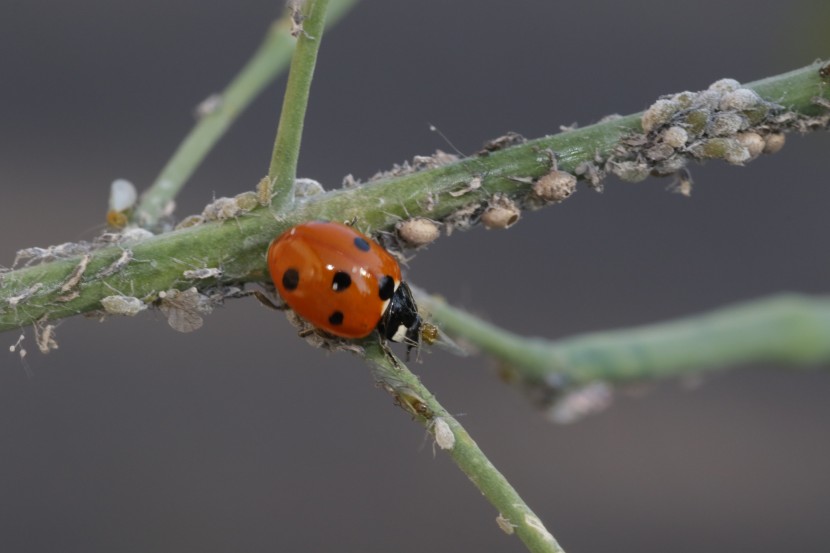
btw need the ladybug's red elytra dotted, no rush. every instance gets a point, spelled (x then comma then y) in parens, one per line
(343, 282)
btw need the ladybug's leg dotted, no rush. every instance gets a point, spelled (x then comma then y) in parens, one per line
(264, 300)
(260, 296)
(384, 345)
(413, 337)
(410, 343)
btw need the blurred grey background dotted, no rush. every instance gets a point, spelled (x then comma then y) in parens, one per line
(239, 437)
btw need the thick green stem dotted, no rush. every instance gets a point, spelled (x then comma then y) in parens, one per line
(514, 514)
(238, 246)
(283, 169)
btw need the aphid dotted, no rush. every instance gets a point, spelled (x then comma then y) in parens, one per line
(221, 209)
(429, 333)
(246, 201)
(343, 282)
(297, 17)
(264, 191)
(444, 436)
(407, 399)
(506, 526)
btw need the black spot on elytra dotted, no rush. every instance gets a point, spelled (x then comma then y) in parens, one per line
(361, 244)
(341, 281)
(336, 318)
(387, 287)
(290, 279)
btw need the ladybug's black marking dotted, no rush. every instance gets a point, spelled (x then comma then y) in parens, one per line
(290, 279)
(341, 281)
(387, 287)
(336, 318)
(361, 244)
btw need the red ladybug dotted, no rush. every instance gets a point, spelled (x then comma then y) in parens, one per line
(343, 283)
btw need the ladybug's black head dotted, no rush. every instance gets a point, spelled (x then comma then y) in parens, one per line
(400, 321)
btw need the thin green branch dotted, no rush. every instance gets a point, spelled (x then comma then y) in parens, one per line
(270, 59)
(283, 169)
(514, 514)
(789, 329)
(444, 194)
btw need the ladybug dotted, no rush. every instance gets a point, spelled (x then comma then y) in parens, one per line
(343, 282)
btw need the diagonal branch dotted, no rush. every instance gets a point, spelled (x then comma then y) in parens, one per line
(514, 515)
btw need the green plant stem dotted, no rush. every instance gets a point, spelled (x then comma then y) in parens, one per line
(398, 380)
(270, 59)
(283, 169)
(788, 328)
(238, 246)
